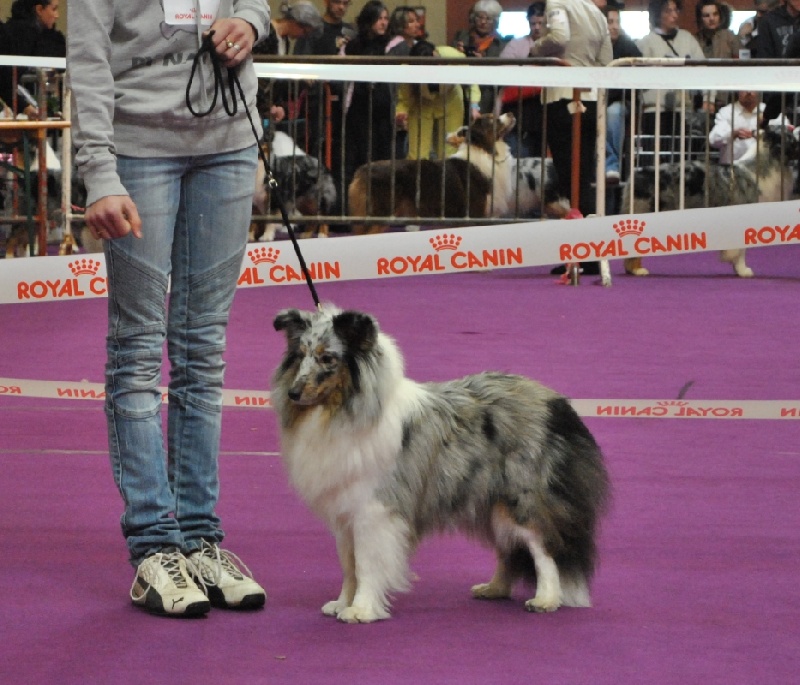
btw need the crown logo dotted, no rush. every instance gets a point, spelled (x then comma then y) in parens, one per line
(672, 403)
(84, 267)
(264, 254)
(629, 227)
(447, 241)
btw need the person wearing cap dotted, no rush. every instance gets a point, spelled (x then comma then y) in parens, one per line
(298, 19)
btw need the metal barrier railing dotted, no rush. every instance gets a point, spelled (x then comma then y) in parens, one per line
(660, 73)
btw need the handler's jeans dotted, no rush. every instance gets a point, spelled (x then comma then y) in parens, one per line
(195, 215)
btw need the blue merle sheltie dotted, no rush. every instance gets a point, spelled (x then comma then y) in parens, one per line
(384, 461)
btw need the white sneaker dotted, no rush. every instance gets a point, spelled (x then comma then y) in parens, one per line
(228, 582)
(163, 586)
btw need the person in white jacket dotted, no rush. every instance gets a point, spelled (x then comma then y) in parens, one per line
(736, 127)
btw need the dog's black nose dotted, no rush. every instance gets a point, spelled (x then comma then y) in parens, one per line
(294, 394)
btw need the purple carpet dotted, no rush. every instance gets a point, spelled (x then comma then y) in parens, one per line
(698, 580)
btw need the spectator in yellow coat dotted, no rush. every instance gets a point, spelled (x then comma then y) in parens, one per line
(429, 111)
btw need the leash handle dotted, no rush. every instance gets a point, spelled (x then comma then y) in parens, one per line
(231, 108)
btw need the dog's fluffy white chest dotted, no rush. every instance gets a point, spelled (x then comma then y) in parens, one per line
(337, 467)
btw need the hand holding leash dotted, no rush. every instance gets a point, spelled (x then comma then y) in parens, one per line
(233, 40)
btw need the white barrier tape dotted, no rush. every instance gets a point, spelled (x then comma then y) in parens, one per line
(35, 62)
(645, 78)
(759, 78)
(83, 390)
(652, 409)
(392, 255)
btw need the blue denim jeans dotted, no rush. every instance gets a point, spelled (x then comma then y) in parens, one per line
(616, 113)
(195, 215)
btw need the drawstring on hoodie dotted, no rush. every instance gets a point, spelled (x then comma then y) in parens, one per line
(231, 109)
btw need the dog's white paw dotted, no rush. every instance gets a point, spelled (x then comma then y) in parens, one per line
(360, 614)
(743, 271)
(543, 605)
(490, 591)
(334, 607)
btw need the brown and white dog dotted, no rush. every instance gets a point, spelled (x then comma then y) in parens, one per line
(765, 175)
(474, 183)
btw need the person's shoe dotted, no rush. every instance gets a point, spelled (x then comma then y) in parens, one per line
(163, 586)
(228, 582)
(612, 177)
(586, 268)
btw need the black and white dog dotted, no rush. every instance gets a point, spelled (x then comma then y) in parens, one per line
(305, 186)
(384, 461)
(763, 175)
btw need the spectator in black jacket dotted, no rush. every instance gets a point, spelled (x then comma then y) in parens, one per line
(617, 111)
(775, 30)
(30, 32)
(369, 107)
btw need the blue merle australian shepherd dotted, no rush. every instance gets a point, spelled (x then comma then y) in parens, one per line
(384, 461)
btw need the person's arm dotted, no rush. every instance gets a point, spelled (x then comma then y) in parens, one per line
(110, 211)
(722, 131)
(92, 84)
(254, 12)
(554, 42)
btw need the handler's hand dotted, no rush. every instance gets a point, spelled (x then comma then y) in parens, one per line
(233, 40)
(112, 217)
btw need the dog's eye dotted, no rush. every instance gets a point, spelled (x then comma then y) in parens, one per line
(326, 358)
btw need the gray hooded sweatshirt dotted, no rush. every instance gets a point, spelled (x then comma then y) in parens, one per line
(128, 69)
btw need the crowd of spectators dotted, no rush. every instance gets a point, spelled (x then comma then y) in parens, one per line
(347, 125)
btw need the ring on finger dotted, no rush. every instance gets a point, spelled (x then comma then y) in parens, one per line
(230, 44)
(236, 47)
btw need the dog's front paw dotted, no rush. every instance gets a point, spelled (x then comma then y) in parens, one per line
(490, 591)
(361, 614)
(334, 607)
(543, 605)
(743, 271)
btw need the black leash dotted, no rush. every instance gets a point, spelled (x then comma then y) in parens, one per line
(231, 108)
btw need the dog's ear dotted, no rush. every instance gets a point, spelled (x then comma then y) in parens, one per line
(293, 322)
(358, 330)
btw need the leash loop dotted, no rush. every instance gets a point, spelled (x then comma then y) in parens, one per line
(231, 108)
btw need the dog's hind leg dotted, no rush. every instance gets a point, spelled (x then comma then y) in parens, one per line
(381, 545)
(345, 549)
(548, 581)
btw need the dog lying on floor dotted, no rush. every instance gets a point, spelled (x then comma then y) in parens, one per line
(411, 188)
(385, 460)
(765, 175)
(481, 178)
(304, 184)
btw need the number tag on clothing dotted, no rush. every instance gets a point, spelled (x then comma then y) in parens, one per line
(557, 18)
(181, 12)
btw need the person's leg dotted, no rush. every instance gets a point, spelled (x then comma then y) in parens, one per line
(559, 141)
(615, 135)
(588, 159)
(138, 275)
(450, 122)
(210, 238)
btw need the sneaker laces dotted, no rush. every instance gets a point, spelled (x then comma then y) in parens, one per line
(226, 562)
(171, 563)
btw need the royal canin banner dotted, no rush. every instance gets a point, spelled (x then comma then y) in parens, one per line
(590, 408)
(397, 254)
